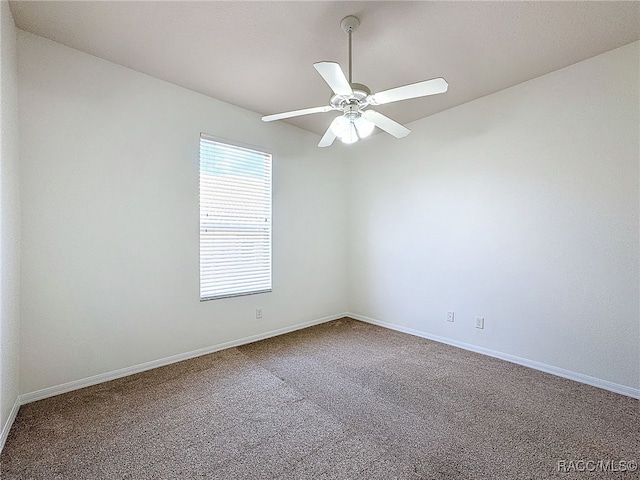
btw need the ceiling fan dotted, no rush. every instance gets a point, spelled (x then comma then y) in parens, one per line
(354, 99)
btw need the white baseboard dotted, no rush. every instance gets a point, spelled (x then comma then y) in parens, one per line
(560, 372)
(9, 423)
(123, 372)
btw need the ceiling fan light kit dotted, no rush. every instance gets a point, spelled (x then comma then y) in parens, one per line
(357, 120)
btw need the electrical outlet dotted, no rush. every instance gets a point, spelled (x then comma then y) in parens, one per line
(258, 313)
(479, 322)
(450, 316)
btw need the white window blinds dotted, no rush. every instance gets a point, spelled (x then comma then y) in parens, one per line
(235, 220)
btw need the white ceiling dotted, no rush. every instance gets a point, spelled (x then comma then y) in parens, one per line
(259, 55)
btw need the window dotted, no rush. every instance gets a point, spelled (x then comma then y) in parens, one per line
(235, 220)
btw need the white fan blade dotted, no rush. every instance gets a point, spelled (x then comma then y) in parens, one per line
(386, 124)
(334, 76)
(414, 90)
(296, 113)
(328, 137)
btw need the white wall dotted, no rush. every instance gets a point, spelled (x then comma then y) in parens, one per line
(521, 207)
(9, 223)
(110, 219)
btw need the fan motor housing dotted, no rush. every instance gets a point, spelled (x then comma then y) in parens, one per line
(360, 90)
(359, 97)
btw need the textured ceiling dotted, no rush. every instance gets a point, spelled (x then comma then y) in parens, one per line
(260, 55)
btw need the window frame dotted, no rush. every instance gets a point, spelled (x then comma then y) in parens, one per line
(226, 143)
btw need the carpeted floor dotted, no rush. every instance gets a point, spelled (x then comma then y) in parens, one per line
(342, 400)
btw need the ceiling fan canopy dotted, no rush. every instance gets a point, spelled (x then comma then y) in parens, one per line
(357, 120)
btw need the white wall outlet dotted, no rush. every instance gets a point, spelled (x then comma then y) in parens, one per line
(479, 322)
(258, 313)
(450, 316)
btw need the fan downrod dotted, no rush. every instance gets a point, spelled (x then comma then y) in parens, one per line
(349, 25)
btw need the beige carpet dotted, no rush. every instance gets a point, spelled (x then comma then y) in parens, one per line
(342, 400)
